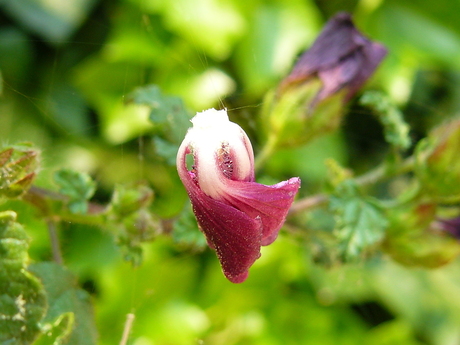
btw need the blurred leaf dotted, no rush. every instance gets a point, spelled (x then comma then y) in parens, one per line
(277, 32)
(131, 221)
(395, 332)
(22, 297)
(166, 111)
(437, 162)
(360, 222)
(18, 164)
(169, 116)
(64, 296)
(55, 21)
(79, 187)
(166, 150)
(127, 200)
(68, 108)
(185, 230)
(414, 240)
(396, 130)
(105, 84)
(400, 24)
(58, 332)
(16, 54)
(141, 226)
(213, 26)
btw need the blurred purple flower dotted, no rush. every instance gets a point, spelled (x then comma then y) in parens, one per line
(451, 225)
(341, 57)
(236, 214)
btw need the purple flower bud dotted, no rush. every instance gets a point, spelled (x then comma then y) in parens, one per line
(236, 214)
(341, 57)
(451, 225)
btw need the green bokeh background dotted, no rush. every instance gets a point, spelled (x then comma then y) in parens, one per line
(68, 68)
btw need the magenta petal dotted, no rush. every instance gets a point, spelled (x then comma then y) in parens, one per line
(270, 203)
(235, 236)
(236, 215)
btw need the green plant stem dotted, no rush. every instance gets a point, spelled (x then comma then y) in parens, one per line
(42, 199)
(266, 152)
(375, 175)
(127, 329)
(54, 239)
(308, 203)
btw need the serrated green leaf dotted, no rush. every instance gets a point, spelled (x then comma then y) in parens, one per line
(396, 130)
(22, 297)
(5, 156)
(65, 296)
(58, 332)
(165, 110)
(17, 169)
(360, 222)
(168, 114)
(79, 187)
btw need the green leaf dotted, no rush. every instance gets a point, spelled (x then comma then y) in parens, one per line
(49, 19)
(396, 130)
(437, 165)
(133, 230)
(58, 332)
(65, 296)
(360, 222)
(18, 165)
(167, 111)
(16, 48)
(127, 200)
(22, 298)
(169, 116)
(79, 187)
(129, 217)
(166, 150)
(185, 230)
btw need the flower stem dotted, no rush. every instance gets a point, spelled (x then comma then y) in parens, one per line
(373, 176)
(267, 150)
(54, 239)
(127, 329)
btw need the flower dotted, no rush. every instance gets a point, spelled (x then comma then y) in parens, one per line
(236, 214)
(309, 102)
(341, 57)
(451, 225)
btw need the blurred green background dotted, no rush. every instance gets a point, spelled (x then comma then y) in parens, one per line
(68, 69)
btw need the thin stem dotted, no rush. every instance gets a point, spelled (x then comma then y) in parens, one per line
(382, 172)
(127, 329)
(370, 177)
(54, 239)
(266, 152)
(308, 203)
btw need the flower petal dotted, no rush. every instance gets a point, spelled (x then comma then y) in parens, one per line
(234, 235)
(341, 56)
(270, 203)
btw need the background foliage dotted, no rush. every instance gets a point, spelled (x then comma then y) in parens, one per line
(78, 81)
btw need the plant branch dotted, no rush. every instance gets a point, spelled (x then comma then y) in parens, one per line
(54, 239)
(127, 329)
(373, 176)
(267, 150)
